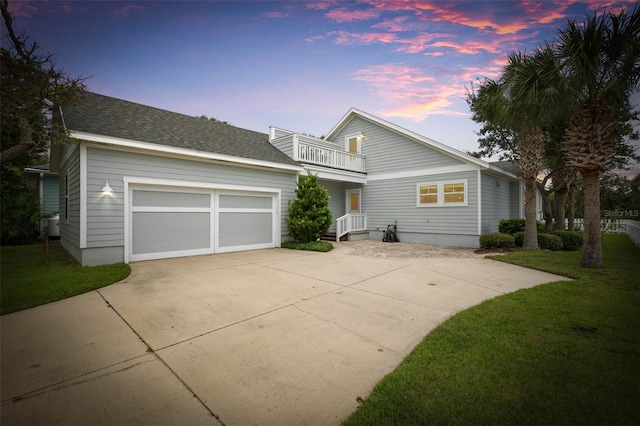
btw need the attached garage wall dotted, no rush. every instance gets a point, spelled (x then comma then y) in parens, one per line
(105, 223)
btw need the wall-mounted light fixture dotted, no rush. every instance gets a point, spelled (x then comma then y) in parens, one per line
(106, 189)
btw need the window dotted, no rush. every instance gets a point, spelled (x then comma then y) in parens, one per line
(428, 194)
(454, 192)
(442, 194)
(353, 144)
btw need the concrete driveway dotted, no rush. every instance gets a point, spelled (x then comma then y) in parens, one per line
(268, 337)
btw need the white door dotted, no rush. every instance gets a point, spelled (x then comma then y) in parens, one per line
(353, 201)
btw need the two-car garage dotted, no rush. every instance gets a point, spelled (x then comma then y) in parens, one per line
(164, 221)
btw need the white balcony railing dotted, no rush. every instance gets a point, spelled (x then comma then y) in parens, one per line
(350, 222)
(316, 151)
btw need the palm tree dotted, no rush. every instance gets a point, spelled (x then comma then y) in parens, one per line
(521, 101)
(600, 60)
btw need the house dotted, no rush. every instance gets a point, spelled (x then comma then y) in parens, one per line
(140, 183)
(46, 183)
(380, 174)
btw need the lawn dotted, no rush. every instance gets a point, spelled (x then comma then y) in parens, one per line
(558, 353)
(27, 280)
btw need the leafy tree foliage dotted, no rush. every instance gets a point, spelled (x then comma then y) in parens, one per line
(309, 214)
(31, 88)
(584, 83)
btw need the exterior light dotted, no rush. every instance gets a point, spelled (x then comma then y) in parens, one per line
(106, 189)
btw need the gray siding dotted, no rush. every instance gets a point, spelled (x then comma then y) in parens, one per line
(284, 144)
(336, 202)
(495, 202)
(50, 194)
(516, 194)
(105, 215)
(394, 201)
(70, 221)
(387, 151)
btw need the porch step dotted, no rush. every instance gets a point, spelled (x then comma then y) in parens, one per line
(331, 236)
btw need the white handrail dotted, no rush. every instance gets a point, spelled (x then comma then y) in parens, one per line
(350, 222)
(325, 155)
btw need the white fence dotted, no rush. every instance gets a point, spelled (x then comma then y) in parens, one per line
(621, 226)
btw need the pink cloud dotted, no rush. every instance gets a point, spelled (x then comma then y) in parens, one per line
(347, 38)
(395, 25)
(420, 42)
(23, 8)
(467, 47)
(345, 15)
(413, 92)
(321, 5)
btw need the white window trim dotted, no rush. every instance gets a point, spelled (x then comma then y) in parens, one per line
(358, 138)
(440, 186)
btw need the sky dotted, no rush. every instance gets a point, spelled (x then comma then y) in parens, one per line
(299, 65)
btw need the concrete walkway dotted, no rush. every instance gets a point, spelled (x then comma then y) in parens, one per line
(268, 337)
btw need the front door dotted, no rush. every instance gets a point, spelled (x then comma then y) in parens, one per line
(353, 201)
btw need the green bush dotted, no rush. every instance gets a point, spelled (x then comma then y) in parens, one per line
(496, 240)
(549, 242)
(519, 238)
(515, 225)
(571, 240)
(321, 246)
(20, 213)
(309, 214)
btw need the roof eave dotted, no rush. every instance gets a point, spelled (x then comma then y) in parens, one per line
(128, 143)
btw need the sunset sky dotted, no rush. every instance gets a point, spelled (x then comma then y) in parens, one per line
(299, 65)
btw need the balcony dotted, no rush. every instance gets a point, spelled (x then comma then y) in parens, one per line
(310, 150)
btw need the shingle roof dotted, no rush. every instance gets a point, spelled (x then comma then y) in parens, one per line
(106, 116)
(510, 166)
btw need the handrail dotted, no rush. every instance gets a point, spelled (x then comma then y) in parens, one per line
(316, 153)
(350, 222)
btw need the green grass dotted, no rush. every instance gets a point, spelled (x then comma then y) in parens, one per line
(559, 353)
(322, 246)
(27, 281)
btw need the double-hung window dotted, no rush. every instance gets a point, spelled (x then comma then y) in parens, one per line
(439, 194)
(353, 144)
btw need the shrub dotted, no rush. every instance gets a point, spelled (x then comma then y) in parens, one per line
(549, 242)
(309, 214)
(514, 225)
(496, 240)
(519, 238)
(20, 213)
(321, 246)
(571, 240)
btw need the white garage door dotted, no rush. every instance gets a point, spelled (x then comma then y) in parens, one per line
(174, 222)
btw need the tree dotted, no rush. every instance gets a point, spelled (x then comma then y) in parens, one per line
(515, 109)
(309, 214)
(31, 85)
(600, 62)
